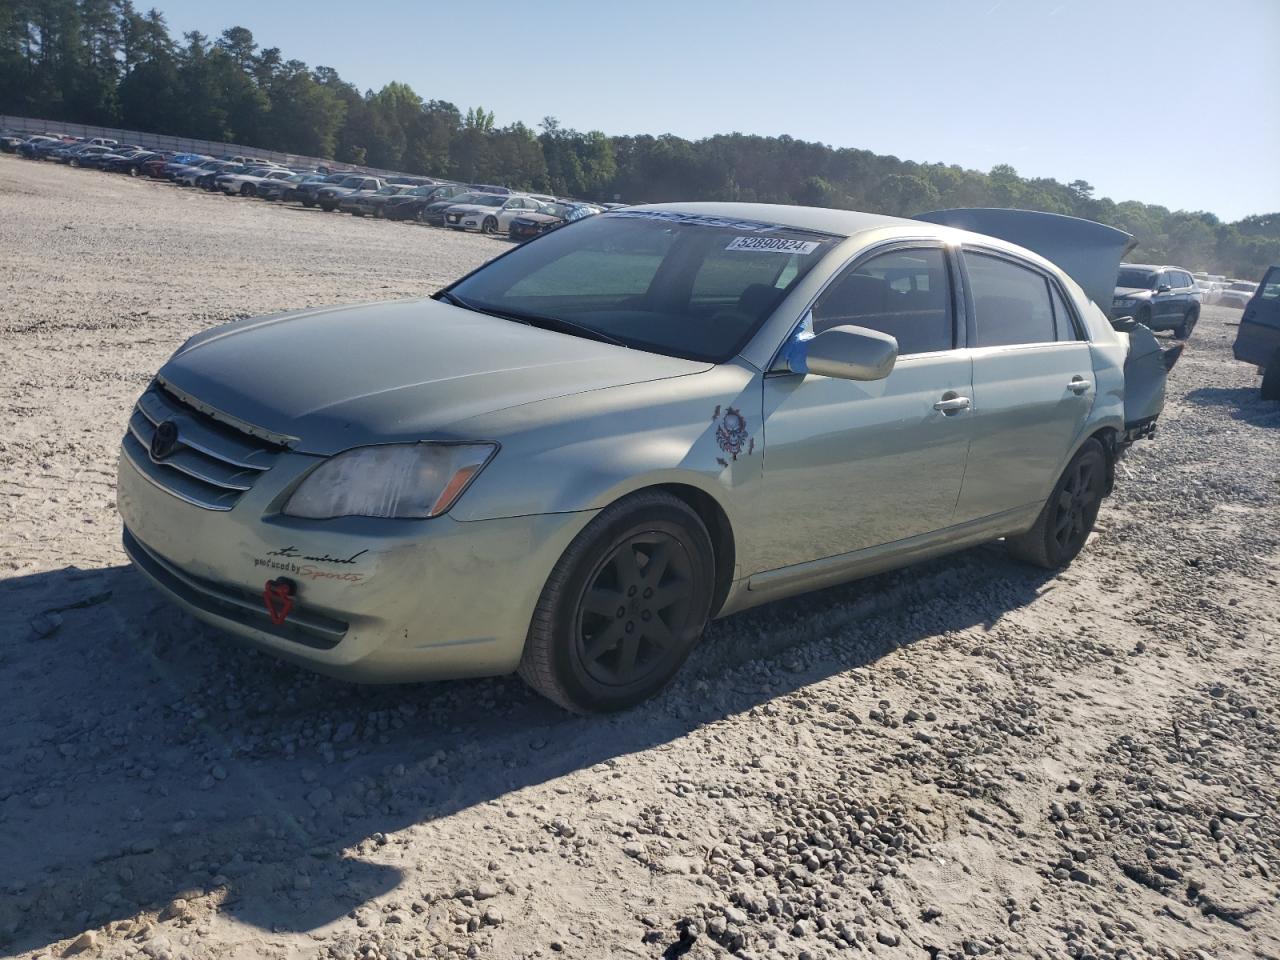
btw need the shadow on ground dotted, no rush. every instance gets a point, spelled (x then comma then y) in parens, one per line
(1242, 403)
(143, 757)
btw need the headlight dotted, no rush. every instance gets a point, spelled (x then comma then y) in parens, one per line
(404, 481)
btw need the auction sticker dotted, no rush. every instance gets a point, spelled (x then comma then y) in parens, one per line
(773, 245)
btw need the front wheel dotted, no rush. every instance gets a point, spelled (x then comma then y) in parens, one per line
(623, 606)
(490, 225)
(1068, 516)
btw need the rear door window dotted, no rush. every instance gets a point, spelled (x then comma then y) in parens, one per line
(1011, 304)
(1269, 289)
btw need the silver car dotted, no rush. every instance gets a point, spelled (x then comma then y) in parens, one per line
(569, 460)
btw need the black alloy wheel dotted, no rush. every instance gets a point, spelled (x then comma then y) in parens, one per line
(1067, 518)
(623, 607)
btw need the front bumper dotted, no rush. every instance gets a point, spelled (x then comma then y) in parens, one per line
(377, 600)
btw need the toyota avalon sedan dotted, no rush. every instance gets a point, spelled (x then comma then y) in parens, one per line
(565, 463)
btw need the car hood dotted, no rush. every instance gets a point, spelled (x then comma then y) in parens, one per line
(540, 217)
(340, 377)
(1133, 293)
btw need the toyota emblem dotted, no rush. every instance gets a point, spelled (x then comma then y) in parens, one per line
(165, 440)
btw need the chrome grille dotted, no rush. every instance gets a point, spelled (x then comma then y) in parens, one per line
(211, 465)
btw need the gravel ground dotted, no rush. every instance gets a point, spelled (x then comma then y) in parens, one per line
(966, 758)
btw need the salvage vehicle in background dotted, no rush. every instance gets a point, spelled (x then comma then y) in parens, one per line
(569, 460)
(1258, 336)
(532, 224)
(1237, 294)
(1161, 298)
(328, 197)
(409, 205)
(282, 188)
(246, 184)
(489, 212)
(305, 193)
(363, 202)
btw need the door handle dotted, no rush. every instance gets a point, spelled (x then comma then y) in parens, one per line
(1079, 385)
(951, 404)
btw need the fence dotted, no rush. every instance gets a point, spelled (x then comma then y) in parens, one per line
(159, 141)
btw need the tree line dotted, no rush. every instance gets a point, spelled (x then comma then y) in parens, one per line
(104, 62)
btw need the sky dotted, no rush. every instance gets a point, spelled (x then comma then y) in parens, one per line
(1175, 102)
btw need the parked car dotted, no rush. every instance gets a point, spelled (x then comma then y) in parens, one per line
(1210, 290)
(96, 161)
(327, 197)
(10, 140)
(488, 212)
(246, 184)
(203, 174)
(363, 202)
(1237, 294)
(532, 224)
(133, 165)
(305, 193)
(164, 170)
(1258, 336)
(646, 419)
(281, 188)
(1161, 298)
(79, 155)
(34, 148)
(410, 205)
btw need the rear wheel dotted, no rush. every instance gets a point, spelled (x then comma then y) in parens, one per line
(623, 606)
(1183, 330)
(1271, 379)
(1068, 516)
(247, 190)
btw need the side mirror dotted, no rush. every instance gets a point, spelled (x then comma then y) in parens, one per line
(847, 353)
(1163, 288)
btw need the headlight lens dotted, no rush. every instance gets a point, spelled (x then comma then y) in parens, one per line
(404, 481)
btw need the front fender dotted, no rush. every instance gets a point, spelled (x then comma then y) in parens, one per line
(585, 451)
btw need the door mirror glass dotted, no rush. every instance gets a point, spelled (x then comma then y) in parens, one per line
(847, 353)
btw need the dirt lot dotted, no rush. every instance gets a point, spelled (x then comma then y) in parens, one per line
(966, 758)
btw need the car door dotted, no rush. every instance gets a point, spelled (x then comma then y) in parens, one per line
(1033, 383)
(851, 465)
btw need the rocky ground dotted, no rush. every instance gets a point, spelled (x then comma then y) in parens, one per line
(966, 758)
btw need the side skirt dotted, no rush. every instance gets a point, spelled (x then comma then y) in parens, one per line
(815, 574)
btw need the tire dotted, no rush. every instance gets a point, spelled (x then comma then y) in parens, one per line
(247, 190)
(1144, 316)
(308, 204)
(377, 213)
(1067, 518)
(134, 172)
(490, 225)
(652, 632)
(73, 162)
(1271, 379)
(1183, 330)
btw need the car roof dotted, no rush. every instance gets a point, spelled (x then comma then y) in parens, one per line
(821, 219)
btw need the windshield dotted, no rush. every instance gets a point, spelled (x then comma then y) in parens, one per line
(484, 200)
(1141, 279)
(389, 191)
(682, 285)
(1247, 287)
(352, 182)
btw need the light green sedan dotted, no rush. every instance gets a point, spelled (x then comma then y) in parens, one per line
(570, 460)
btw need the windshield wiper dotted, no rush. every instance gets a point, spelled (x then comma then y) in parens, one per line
(558, 324)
